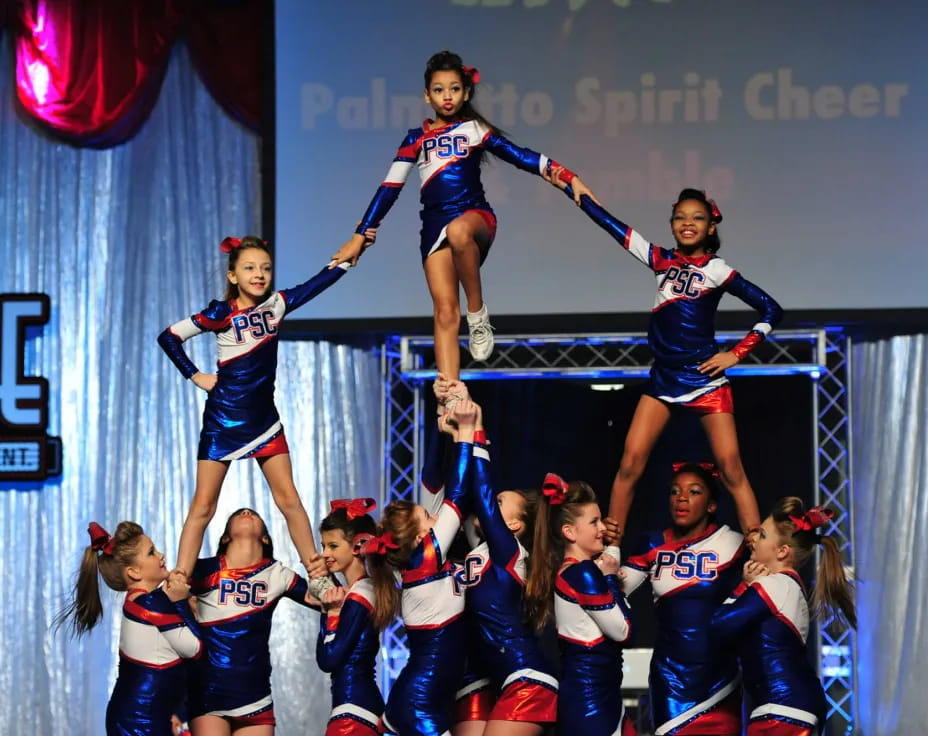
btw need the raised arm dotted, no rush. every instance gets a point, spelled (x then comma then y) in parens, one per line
(535, 163)
(623, 234)
(454, 506)
(384, 198)
(504, 548)
(297, 296)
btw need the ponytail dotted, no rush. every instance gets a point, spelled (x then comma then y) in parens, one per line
(560, 504)
(799, 528)
(390, 550)
(832, 590)
(107, 557)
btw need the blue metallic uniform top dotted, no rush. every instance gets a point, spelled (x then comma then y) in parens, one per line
(235, 607)
(448, 158)
(681, 333)
(240, 417)
(347, 648)
(690, 579)
(592, 618)
(493, 577)
(155, 636)
(421, 699)
(769, 623)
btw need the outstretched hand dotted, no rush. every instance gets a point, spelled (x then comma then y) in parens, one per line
(552, 175)
(613, 534)
(581, 190)
(351, 251)
(577, 185)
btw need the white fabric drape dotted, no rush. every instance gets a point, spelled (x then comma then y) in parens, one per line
(125, 242)
(890, 496)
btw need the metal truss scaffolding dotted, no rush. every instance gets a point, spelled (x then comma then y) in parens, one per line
(821, 354)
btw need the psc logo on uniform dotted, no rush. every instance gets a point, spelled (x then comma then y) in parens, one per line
(26, 451)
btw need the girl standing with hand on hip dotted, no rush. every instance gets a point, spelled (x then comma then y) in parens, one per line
(688, 369)
(240, 419)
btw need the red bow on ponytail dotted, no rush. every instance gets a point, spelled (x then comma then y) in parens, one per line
(359, 543)
(355, 508)
(100, 539)
(554, 489)
(380, 545)
(814, 518)
(708, 467)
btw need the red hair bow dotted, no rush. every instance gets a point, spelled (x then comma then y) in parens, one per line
(554, 488)
(360, 542)
(354, 509)
(380, 545)
(100, 539)
(715, 214)
(473, 73)
(229, 244)
(708, 467)
(816, 517)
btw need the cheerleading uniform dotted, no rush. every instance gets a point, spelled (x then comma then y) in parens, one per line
(769, 622)
(240, 419)
(347, 648)
(448, 158)
(235, 607)
(493, 578)
(155, 637)
(592, 620)
(694, 685)
(682, 328)
(421, 699)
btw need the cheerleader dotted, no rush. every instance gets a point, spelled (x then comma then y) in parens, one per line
(573, 582)
(693, 566)
(157, 634)
(240, 419)
(414, 543)
(688, 369)
(348, 640)
(768, 619)
(237, 592)
(448, 152)
(524, 688)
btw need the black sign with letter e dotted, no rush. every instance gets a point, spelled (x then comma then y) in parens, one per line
(26, 451)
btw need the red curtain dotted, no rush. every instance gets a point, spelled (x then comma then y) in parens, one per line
(89, 71)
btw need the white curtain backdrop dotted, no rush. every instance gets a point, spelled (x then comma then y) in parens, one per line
(125, 242)
(890, 492)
